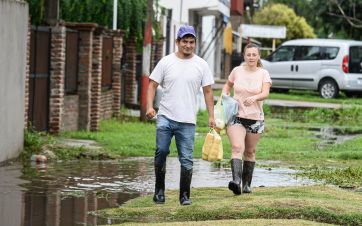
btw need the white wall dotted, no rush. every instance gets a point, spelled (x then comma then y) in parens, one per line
(11, 197)
(13, 39)
(207, 15)
(176, 5)
(208, 23)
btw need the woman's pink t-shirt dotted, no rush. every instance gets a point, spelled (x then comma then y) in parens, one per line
(246, 84)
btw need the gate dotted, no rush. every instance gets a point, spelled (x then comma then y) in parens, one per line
(107, 62)
(39, 78)
(71, 62)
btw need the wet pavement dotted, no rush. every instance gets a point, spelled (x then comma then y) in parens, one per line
(63, 193)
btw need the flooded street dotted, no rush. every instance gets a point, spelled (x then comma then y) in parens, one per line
(63, 193)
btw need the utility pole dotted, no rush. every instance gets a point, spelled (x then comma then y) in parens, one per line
(115, 13)
(51, 12)
(146, 58)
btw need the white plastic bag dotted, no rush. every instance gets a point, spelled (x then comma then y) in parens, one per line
(231, 108)
(219, 114)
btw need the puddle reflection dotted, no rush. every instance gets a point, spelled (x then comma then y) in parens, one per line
(63, 193)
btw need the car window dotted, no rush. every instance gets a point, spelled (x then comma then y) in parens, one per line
(308, 53)
(329, 53)
(355, 59)
(284, 53)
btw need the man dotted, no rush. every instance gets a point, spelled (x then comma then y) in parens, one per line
(181, 74)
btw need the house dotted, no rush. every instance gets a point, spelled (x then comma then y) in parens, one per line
(13, 20)
(208, 17)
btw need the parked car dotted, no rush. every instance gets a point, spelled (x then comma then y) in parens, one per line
(324, 65)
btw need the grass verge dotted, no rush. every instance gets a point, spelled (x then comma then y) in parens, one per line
(324, 204)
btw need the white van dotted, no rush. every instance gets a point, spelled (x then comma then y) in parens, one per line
(325, 65)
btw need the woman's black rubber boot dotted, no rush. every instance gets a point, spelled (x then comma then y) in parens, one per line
(236, 168)
(247, 176)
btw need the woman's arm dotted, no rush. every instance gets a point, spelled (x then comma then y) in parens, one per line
(261, 96)
(227, 87)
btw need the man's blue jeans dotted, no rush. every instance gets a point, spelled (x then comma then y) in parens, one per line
(184, 136)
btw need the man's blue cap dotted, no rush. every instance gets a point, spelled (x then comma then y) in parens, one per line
(186, 30)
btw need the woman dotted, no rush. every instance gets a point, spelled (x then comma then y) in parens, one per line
(251, 85)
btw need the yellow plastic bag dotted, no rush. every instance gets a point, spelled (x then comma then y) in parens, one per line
(212, 149)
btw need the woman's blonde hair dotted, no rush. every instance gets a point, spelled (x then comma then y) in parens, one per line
(252, 45)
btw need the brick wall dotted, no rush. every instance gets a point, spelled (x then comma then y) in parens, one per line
(85, 109)
(85, 72)
(116, 80)
(57, 70)
(70, 113)
(106, 104)
(27, 74)
(157, 51)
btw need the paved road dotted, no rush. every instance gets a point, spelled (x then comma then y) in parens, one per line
(289, 103)
(303, 104)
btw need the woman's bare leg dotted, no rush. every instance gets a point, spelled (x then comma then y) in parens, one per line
(236, 134)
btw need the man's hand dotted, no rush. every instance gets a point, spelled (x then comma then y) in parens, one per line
(151, 113)
(211, 122)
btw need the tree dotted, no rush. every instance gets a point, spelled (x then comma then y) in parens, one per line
(282, 15)
(131, 13)
(330, 18)
(352, 18)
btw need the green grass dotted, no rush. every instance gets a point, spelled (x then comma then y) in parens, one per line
(332, 175)
(324, 204)
(254, 222)
(124, 138)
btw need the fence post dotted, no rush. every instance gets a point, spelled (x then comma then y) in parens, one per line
(146, 61)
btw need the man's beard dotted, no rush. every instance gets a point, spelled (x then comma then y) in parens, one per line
(187, 53)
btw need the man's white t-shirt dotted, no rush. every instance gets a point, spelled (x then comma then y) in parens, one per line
(181, 80)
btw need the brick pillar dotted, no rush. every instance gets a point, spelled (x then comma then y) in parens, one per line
(84, 72)
(92, 199)
(116, 64)
(130, 72)
(57, 71)
(157, 52)
(27, 75)
(96, 89)
(53, 208)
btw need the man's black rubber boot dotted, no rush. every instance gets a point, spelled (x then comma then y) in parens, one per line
(247, 176)
(236, 168)
(159, 196)
(185, 182)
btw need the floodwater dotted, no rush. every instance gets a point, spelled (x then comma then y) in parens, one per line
(64, 193)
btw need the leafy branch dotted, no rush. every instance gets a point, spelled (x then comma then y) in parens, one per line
(352, 20)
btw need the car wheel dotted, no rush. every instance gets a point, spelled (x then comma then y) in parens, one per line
(328, 89)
